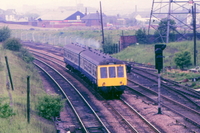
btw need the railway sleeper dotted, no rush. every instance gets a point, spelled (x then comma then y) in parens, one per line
(112, 92)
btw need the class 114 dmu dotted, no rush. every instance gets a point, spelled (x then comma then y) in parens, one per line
(106, 74)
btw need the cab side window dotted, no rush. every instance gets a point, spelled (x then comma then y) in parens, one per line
(103, 71)
(120, 71)
(112, 73)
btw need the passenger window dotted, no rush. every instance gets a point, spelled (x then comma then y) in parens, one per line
(103, 71)
(112, 73)
(120, 71)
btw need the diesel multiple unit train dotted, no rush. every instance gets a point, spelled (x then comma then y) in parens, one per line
(106, 73)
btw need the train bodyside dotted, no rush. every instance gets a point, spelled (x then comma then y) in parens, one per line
(107, 73)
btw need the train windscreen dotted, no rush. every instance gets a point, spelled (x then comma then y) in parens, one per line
(103, 72)
(112, 73)
(120, 71)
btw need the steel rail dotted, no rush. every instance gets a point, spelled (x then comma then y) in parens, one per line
(79, 95)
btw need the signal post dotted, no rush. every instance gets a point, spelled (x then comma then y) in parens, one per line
(159, 65)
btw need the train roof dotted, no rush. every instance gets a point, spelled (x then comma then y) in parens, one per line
(95, 56)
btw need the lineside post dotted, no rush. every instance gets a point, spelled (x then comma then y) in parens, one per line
(159, 65)
(9, 73)
(28, 99)
(159, 105)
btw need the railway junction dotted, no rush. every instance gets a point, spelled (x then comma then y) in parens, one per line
(135, 111)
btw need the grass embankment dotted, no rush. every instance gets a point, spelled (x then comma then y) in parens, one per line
(17, 98)
(145, 54)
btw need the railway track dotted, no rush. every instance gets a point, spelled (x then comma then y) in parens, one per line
(189, 114)
(138, 92)
(146, 126)
(173, 84)
(136, 122)
(183, 95)
(83, 110)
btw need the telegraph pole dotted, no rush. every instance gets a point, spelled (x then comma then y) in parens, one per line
(194, 31)
(101, 24)
(168, 22)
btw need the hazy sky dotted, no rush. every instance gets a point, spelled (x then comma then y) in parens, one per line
(117, 5)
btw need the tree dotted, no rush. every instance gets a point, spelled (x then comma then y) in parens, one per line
(12, 44)
(5, 33)
(182, 59)
(49, 106)
(161, 32)
(141, 36)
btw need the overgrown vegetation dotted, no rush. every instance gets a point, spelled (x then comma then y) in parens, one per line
(146, 54)
(5, 109)
(12, 44)
(180, 51)
(15, 45)
(109, 47)
(141, 36)
(180, 76)
(18, 123)
(183, 59)
(161, 32)
(49, 106)
(16, 110)
(5, 33)
(25, 55)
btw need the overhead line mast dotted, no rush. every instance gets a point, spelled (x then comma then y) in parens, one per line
(183, 12)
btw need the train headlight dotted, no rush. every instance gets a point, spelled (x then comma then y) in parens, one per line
(103, 84)
(121, 82)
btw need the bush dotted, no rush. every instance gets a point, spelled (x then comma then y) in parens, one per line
(49, 106)
(6, 111)
(12, 44)
(5, 33)
(25, 55)
(182, 59)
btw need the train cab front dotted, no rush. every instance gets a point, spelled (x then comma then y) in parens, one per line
(112, 79)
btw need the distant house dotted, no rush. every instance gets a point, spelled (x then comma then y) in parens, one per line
(2, 16)
(60, 19)
(143, 18)
(93, 19)
(75, 17)
(10, 15)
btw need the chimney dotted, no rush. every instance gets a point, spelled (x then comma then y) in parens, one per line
(86, 11)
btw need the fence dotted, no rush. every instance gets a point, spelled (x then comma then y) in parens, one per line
(54, 38)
